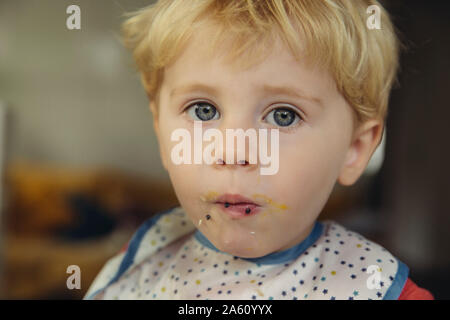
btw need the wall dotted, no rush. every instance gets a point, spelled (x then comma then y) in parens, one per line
(74, 98)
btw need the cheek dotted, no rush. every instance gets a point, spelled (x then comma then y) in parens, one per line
(183, 175)
(184, 179)
(308, 170)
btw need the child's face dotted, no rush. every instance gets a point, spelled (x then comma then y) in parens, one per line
(312, 152)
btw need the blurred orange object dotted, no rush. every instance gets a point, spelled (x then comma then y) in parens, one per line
(37, 196)
(35, 258)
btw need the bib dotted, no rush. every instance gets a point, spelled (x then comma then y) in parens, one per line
(167, 258)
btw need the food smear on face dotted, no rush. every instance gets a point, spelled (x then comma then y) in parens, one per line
(275, 205)
(211, 195)
(248, 210)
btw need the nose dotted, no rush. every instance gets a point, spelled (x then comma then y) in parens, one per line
(238, 155)
(240, 139)
(222, 162)
(242, 164)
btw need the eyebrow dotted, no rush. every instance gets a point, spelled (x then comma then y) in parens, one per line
(268, 89)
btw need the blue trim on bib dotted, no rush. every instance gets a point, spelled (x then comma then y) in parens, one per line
(399, 282)
(275, 257)
(132, 249)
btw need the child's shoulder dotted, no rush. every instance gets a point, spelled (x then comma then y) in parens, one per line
(359, 262)
(159, 231)
(151, 237)
(351, 243)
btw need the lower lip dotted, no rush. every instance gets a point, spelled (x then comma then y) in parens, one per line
(239, 210)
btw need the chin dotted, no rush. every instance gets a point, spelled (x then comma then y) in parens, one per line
(240, 250)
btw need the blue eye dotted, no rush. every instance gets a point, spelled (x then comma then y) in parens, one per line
(283, 117)
(202, 111)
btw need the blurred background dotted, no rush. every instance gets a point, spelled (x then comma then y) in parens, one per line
(80, 167)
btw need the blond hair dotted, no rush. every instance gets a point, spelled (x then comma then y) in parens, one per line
(333, 33)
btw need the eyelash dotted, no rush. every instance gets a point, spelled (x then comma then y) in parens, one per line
(287, 129)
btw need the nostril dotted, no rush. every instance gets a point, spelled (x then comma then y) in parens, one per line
(243, 162)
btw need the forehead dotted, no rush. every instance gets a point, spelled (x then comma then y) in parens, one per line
(274, 66)
(201, 55)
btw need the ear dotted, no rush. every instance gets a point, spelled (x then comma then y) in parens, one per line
(365, 140)
(155, 113)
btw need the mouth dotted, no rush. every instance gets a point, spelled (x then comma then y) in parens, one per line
(237, 206)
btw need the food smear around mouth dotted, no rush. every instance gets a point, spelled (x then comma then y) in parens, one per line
(209, 196)
(247, 209)
(270, 202)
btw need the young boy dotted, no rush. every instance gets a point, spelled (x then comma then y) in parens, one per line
(311, 70)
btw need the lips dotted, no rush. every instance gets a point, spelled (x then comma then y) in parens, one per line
(235, 199)
(237, 206)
